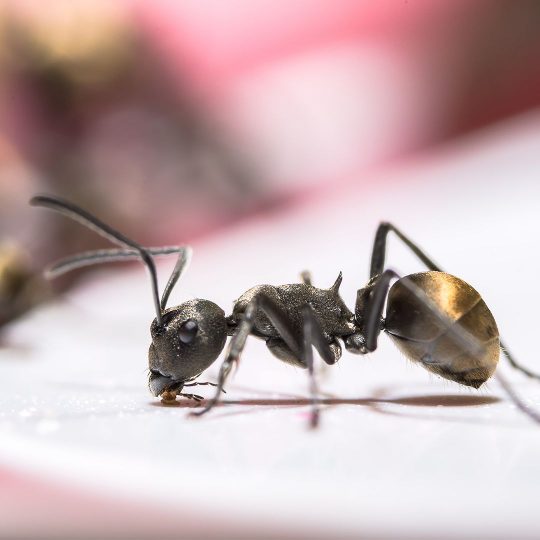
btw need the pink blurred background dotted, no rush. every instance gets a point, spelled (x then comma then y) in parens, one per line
(172, 120)
(203, 111)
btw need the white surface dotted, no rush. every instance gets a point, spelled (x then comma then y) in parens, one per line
(400, 453)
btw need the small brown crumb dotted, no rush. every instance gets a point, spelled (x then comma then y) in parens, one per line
(168, 397)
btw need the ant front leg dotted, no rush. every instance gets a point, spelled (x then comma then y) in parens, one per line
(297, 342)
(234, 351)
(378, 256)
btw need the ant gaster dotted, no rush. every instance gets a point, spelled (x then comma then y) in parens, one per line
(435, 319)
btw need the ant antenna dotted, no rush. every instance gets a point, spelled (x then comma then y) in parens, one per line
(100, 256)
(134, 250)
(181, 264)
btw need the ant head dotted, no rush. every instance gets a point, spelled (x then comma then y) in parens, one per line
(188, 340)
(185, 339)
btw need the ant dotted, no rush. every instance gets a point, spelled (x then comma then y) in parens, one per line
(434, 318)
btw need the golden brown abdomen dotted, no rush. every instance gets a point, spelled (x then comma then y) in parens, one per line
(425, 338)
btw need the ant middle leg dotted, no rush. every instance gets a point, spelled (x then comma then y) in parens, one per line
(378, 256)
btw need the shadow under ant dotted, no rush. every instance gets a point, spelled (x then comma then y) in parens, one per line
(254, 405)
(439, 400)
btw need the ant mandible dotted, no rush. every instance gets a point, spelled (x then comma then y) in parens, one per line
(434, 318)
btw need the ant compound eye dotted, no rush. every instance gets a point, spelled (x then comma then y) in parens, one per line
(188, 331)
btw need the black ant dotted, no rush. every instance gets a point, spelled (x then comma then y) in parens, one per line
(434, 318)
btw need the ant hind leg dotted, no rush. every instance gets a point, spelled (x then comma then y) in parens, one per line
(510, 357)
(378, 256)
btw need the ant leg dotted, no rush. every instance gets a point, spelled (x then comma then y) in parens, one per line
(374, 308)
(279, 318)
(305, 276)
(510, 357)
(195, 397)
(377, 266)
(204, 384)
(378, 253)
(234, 351)
(314, 337)
(298, 341)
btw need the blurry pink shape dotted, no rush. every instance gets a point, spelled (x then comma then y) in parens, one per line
(214, 41)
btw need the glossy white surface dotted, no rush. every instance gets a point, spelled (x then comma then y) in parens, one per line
(399, 451)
